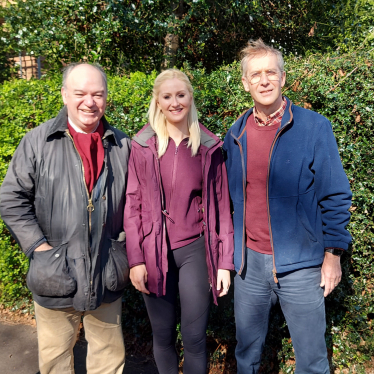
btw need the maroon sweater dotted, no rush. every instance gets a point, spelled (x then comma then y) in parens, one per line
(182, 180)
(259, 139)
(91, 151)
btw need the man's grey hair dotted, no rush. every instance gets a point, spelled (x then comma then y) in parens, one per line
(69, 68)
(257, 48)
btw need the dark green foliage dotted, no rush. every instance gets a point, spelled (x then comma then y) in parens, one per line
(338, 86)
(129, 35)
(5, 63)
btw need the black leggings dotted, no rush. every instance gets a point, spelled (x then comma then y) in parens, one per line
(188, 273)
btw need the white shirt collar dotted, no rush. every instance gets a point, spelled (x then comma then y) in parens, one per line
(78, 129)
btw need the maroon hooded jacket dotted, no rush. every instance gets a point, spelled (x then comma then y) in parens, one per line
(144, 222)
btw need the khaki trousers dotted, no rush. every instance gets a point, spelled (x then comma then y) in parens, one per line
(57, 332)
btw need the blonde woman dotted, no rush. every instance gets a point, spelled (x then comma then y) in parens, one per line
(178, 223)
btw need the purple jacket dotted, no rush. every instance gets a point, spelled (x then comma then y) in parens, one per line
(144, 221)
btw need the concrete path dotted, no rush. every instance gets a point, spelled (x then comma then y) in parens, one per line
(19, 353)
(18, 349)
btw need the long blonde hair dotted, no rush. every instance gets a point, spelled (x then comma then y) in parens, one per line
(157, 119)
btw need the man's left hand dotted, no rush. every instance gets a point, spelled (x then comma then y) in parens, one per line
(331, 273)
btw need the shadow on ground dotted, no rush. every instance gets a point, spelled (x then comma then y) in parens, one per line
(134, 365)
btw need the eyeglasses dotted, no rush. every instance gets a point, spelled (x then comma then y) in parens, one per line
(272, 75)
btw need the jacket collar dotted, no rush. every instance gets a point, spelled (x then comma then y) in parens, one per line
(207, 138)
(60, 124)
(143, 136)
(288, 113)
(242, 120)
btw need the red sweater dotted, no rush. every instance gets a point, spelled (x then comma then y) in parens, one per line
(259, 140)
(91, 151)
(182, 180)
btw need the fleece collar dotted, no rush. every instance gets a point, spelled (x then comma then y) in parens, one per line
(242, 120)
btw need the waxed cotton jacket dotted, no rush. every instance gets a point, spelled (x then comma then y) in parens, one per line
(144, 221)
(308, 193)
(44, 198)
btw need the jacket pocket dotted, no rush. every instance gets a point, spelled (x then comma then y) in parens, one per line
(48, 273)
(303, 218)
(117, 268)
(147, 227)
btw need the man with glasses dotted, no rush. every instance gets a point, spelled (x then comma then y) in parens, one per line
(291, 199)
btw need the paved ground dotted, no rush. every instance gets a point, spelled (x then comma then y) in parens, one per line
(19, 353)
(18, 349)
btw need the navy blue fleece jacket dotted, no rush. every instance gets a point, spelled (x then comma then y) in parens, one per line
(308, 193)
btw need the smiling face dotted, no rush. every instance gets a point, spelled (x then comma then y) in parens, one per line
(267, 94)
(174, 100)
(85, 96)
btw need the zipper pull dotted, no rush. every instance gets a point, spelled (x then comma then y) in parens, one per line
(275, 276)
(90, 206)
(90, 209)
(166, 214)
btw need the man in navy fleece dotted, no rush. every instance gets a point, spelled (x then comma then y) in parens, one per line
(291, 199)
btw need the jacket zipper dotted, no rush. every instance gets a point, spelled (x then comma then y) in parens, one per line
(164, 212)
(244, 199)
(90, 209)
(173, 178)
(274, 271)
(205, 221)
(90, 206)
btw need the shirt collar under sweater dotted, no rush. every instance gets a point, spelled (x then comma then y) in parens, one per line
(274, 118)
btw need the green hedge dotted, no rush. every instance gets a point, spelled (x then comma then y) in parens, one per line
(337, 86)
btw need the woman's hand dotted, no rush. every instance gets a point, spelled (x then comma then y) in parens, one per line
(138, 277)
(223, 281)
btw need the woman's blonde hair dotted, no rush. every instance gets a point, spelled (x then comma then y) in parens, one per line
(158, 121)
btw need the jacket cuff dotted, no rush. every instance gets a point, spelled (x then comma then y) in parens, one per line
(139, 263)
(336, 244)
(135, 260)
(224, 265)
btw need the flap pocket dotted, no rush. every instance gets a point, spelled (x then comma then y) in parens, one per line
(117, 268)
(48, 273)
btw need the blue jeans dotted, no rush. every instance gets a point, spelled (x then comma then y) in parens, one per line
(303, 305)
